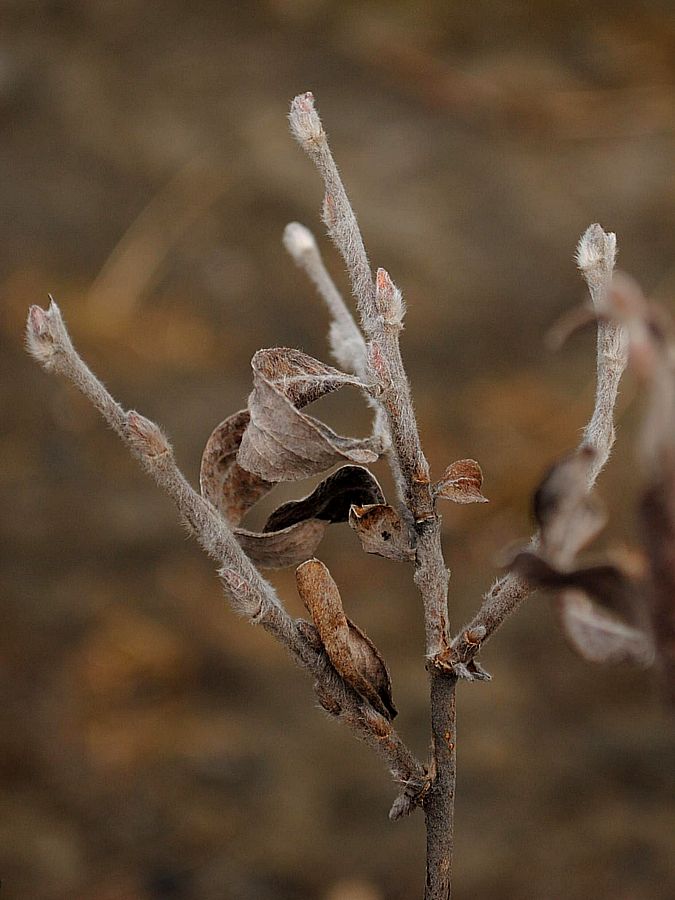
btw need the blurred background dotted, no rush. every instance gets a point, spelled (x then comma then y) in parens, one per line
(152, 745)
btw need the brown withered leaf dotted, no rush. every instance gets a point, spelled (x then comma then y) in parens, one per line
(608, 584)
(597, 634)
(567, 516)
(284, 547)
(461, 483)
(600, 637)
(283, 444)
(382, 531)
(351, 652)
(330, 501)
(231, 489)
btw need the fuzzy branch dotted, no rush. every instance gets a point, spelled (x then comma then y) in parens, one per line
(596, 254)
(381, 307)
(249, 593)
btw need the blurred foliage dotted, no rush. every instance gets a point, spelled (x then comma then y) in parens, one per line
(153, 746)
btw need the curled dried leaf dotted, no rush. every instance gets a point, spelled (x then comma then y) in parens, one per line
(285, 547)
(596, 634)
(283, 444)
(382, 531)
(567, 516)
(600, 637)
(461, 483)
(223, 482)
(351, 652)
(608, 584)
(331, 500)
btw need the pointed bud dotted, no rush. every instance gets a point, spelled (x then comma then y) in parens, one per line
(389, 300)
(305, 122)
(46, 334)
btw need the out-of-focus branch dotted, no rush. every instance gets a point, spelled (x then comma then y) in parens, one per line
(249, 593)
(596, 254)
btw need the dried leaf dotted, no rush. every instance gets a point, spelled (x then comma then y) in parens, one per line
(285, 547)
(608, 584)
(223, 482)
(283, 444)
(461, 483)
(382, 531)
(567, 516)
(330, 501)
(600, 637)
(352, 654)
(595, 633)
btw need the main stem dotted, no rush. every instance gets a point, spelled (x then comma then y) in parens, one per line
(431, 577)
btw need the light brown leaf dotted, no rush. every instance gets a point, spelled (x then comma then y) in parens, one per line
(600, 637)
(382, 531)
(567, 516)
(331, 500)
(351, 652)
(461, 483)
(283, 444)
(231, 489)
(285, 547)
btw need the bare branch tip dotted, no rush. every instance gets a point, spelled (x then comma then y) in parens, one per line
(298, 241)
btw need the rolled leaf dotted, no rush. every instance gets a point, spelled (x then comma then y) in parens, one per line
(352, 653)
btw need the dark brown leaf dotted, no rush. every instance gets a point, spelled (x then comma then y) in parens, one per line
(283, 444)
(285, 547)
(231, 489)
(330, 501)
(461, 483)
(382, 531)
(352, 654)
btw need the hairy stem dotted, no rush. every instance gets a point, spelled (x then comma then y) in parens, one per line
(381, 309)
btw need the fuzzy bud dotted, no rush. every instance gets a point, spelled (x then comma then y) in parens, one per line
(389, 300)
(595, 256)
(46, 335)
(305, 123)
(146, 438)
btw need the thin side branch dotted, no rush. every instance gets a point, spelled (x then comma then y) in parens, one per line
(596, 254)
(249, 593)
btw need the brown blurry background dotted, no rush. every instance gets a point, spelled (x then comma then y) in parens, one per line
(154, 746)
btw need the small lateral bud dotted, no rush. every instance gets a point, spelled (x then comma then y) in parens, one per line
(146, 438)
(329, 212)
(305, 122)
(298, 241)
(388, 299)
